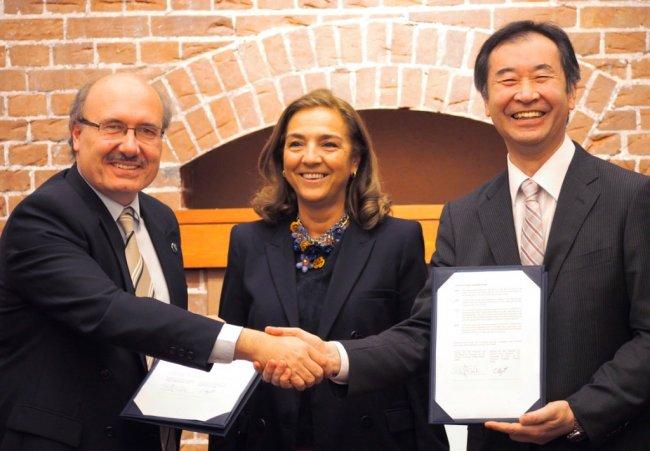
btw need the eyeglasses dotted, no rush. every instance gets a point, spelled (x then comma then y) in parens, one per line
(117, 129)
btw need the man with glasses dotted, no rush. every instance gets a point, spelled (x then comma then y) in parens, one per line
(92, 283)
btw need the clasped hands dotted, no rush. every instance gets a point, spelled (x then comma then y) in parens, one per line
(289, 357)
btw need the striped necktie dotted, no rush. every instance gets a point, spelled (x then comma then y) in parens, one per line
(142, 282)
(532, 230)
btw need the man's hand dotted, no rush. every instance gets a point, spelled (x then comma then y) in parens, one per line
(539, 426)
(279, 373)
(303, 361)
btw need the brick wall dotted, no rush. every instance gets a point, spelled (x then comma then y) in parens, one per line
(230, 66)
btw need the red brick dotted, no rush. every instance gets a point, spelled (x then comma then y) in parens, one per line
(476, 18)
(23, 6)
(301, 51)
(411, 92)
(625, 164)
(325, 42)
(233, 4)
(167, 155)
(106, 5)
(29, 55)
(52, 80)
(616, 67)
(13, 80)
(253, 25)
(229, 71)
(206, 78)
(366, 92)
(245, 110)
(564, 16)
(436, 90)
(341, 84)
(614, 17)
(30, 29)
(65, 6)
(479, 39)
(269, 102)
(579, 126)
(202, 129)
(625, 42)
(641, 68)
(224, 117)
(639, 143)
(43, 175)
(14, 200)
(461, 89)
(159, 52)
(50, 129)
(276, 54)
(78, 53)
(600, 93)
(14, 180)
(146, 5)
(618, 120)
(604, 144)
(350, 43)
(291, 86)
(585, 43)
(118, 52)
(645, 118)
(203, 25)
(108, 27)
(13, 130)
(317, 4)
(454, 48)
(275, 4)
(427, 46)
(644, 167)
(61, 154)
(254, 65)
(190, 49)
(27, 105)
(315, 80)
(60, 103)
(635, 95)
(402, 43)
(180, 140)
(388, 86)
(3, 54)
(182, 88)
(191, 4)
(28, 154)
(3, 210)
(361, 3)
(377, 46)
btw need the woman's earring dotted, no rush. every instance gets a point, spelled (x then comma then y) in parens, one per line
(284, 174)
(354, 174)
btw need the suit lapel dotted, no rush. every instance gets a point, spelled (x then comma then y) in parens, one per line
(282, 266)
(356, 247)
(106, 222)
(576, 200)
(495, 214)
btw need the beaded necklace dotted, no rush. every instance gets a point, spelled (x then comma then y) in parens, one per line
(313, 251)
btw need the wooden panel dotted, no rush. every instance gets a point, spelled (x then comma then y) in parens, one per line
(205, 233)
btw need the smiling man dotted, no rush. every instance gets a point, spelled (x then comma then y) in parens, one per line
(586, 220)
(92, 281)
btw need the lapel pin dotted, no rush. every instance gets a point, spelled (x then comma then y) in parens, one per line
(174, 248)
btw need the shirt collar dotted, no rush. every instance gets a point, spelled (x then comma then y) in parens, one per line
(550, 176)
(114, 208)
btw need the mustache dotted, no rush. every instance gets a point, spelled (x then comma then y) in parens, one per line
(119, 157)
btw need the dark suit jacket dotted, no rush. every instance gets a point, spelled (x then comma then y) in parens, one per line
(377, 274)
(598, 324)
(71, 329)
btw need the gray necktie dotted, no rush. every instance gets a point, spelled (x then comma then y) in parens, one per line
(532, 230)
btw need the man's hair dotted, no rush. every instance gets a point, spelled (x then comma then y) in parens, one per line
(79, 103)
(365, 202)
(517, 30)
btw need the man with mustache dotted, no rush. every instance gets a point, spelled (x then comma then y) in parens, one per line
(92, 281)
(586, 220)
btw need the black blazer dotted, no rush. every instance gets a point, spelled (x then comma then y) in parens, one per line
(598, 326)
(376, 276)
(71, 329)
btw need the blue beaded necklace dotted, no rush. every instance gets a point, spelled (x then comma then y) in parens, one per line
(314, 251)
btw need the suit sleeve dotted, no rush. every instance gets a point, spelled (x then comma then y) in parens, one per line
(620, 389)
(50, 265)
(233, 307)
(388, 358)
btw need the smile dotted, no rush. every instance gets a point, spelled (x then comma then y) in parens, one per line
(313, 175)
(528, 115)
(126, 166)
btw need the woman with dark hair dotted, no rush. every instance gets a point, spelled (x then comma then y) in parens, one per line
(325, 257)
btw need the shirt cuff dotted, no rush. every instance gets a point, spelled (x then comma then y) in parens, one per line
(223, 350)
(342, 377)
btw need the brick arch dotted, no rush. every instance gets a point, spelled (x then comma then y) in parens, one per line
(383, 63)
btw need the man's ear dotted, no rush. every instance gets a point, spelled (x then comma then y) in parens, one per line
(76, 131)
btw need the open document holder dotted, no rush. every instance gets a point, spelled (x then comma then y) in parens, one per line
(181, 386)
(488, 343)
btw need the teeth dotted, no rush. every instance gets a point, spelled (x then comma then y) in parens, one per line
(527, 114)
(124, 166)
(313, 176)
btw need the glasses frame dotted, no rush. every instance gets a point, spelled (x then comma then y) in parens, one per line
(84, 121)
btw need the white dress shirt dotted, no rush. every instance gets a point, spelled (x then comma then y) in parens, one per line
(223, 350)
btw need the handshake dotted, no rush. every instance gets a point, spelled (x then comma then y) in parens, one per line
(289, 357)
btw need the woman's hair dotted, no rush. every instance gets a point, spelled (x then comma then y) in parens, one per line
(276, 201)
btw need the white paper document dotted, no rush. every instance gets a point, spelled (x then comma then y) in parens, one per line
(178, 392)
(487, 348)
